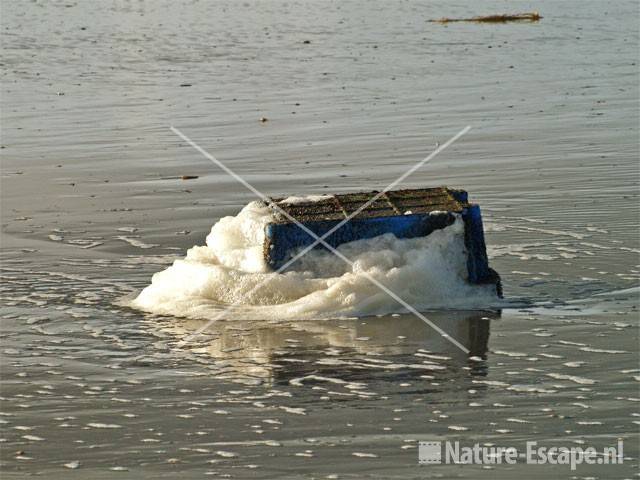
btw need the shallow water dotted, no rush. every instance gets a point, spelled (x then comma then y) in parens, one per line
(93, 205)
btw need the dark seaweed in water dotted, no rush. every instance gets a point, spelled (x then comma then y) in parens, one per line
(518, 17)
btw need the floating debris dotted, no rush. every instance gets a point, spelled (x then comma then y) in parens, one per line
(504, 18)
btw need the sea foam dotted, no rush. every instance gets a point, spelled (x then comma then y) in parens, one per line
(427, 273)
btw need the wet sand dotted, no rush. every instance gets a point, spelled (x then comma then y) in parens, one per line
(93, 204)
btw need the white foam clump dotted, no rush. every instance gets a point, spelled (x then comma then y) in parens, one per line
(427, 272)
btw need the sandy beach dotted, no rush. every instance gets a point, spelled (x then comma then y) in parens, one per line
(299, 98)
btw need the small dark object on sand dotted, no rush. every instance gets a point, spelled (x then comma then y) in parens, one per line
(264, 119)
(188, 177)
(518, 17)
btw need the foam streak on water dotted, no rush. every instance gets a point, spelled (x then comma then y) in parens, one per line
(428, 272)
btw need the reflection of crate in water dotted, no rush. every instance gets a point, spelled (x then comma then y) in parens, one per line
(405, 213)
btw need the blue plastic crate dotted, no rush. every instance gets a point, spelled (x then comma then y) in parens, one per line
(405, 213)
